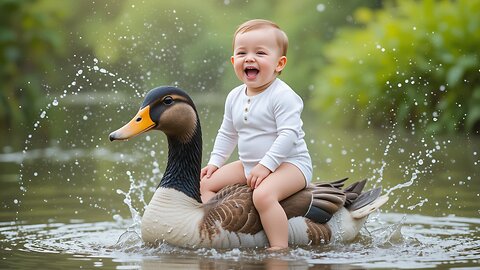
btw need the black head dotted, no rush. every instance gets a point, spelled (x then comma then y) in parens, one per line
(165, 108)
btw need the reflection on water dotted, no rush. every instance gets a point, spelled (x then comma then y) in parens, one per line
(405, 241)
(78, 193)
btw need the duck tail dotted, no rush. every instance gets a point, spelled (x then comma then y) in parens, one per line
(328, 198)
(362, 204)
(370, 207)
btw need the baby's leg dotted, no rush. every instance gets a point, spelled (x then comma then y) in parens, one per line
(282, 183)
(228, 174)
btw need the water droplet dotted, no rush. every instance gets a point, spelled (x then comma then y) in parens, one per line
(55, 102)
(320, 7)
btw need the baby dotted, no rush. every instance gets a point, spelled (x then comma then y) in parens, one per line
(262, 116)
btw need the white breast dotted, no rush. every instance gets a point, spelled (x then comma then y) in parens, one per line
(172, 217)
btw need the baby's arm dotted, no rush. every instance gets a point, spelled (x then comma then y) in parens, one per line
(287, 110)
(227, 138)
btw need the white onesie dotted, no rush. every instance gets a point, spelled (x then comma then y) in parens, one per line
(267, 128)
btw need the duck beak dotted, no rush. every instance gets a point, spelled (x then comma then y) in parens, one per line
(141, 123)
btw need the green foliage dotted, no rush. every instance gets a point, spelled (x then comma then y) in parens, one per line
(27, 45)
(43, 43)
(189, 42)
(414, 63)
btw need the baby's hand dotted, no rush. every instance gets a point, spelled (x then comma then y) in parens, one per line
(207, 171)
(257, 175)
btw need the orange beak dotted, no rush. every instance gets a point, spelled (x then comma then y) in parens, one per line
(138, 125)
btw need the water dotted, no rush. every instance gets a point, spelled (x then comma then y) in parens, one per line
(72, 199)
(422, 242)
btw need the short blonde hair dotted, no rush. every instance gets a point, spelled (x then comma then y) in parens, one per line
(250, 25)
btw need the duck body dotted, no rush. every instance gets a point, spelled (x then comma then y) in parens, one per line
(318, 214)
(232, 221)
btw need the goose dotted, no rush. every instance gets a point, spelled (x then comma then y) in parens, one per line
(318, 214)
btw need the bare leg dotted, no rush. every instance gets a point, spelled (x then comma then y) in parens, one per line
(282, 183)
(228, 174)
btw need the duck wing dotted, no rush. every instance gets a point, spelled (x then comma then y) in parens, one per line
(318, 202)
(231, 209)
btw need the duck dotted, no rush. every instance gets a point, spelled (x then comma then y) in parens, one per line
(319, 214)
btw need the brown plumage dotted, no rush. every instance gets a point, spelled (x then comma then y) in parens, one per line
(233, 208)
(175, 214)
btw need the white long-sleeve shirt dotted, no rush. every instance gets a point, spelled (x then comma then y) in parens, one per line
(267, 128)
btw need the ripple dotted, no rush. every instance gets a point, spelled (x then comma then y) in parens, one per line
(390, 240)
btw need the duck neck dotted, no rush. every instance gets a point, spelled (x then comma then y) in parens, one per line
(183, 166)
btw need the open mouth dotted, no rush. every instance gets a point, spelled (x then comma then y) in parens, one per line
(251, 72)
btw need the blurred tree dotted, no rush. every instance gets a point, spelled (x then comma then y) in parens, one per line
(414, 63)
(189, 43)
(28, 45)
(309, 33)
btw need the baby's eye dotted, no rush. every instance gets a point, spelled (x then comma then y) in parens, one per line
(240, 53)
(261, 53)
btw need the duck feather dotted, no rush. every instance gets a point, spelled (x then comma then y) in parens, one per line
(317, 214)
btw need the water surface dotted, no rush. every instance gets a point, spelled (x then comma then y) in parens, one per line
(69, 195)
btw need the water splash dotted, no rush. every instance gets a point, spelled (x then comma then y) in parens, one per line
(136, 190)
(82, 79)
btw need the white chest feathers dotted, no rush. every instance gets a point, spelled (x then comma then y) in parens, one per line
(172, 217)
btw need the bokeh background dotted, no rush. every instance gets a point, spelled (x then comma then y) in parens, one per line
(363, 63)
(391, 92)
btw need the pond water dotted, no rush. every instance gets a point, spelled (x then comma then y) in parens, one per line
(72, 199)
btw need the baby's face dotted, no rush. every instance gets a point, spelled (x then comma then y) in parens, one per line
(257, 59)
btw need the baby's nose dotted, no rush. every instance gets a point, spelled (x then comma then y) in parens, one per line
(250, 57)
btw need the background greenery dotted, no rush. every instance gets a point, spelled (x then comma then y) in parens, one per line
(361, 63)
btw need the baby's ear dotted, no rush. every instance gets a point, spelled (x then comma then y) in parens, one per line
(232, 59)
(282, 62)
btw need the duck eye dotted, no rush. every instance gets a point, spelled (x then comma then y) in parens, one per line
(168, 100)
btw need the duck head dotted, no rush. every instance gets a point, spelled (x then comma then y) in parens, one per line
(172, 111)
(166, 108)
